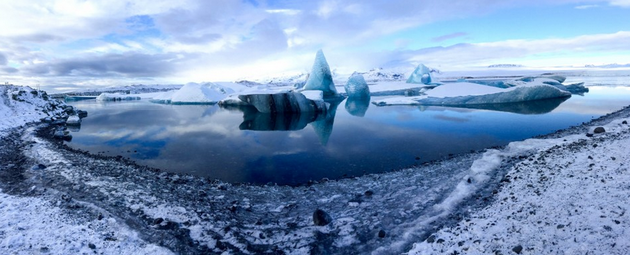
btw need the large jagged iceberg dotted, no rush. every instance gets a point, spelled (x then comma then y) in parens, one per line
(284, 102)
(194, 93)
(357, 87)
(422, 75)
(321, 77)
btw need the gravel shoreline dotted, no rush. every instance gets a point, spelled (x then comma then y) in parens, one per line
(110, 205)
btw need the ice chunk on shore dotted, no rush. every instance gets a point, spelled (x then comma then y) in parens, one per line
(422, 75)
(194, 93)
(284, 102)
(357, 87)
(116, 97)
(321, 77)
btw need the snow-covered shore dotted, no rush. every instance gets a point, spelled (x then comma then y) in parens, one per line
(54, 199)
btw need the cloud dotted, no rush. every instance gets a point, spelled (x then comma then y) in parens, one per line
(588, 6)
(463, 54)
(116, 65)
(3, 59)
(9, 70)
(620, 3)
(448, 37)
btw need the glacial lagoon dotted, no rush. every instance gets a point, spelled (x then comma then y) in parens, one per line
(240, 145)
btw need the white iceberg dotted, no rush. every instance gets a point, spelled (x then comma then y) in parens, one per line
(357, 87)
(193, 93)
(116, 97)
(321, 77)
(422, 75)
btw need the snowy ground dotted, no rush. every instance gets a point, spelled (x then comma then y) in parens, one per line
(564, 193)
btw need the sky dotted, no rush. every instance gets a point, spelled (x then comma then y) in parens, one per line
(67, 44)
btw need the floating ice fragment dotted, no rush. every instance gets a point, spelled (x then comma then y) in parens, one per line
(357, 87)
(194, 93)
(422, 75)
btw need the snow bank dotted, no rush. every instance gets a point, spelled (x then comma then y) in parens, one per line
(31, 225)
(21, 105)
(569, 197)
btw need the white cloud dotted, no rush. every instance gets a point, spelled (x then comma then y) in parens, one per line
(621, 3)
(588, 6)
(564, 51)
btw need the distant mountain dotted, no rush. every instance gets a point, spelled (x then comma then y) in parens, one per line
(505, 66)
(127, 89)
(615, 65)
(380, 74)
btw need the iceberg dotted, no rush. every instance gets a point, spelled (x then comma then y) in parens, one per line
(283, 102)
(116, 97)
(357, 87)
(321, 77)
(464, 94)
(422, 75)
(193, 93)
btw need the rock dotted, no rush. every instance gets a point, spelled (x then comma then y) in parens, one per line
(63, 134)
(624, 122)
(599, 130)
(59, 122)
(321, 218)
(381, 233)
(82, 114)
(518, 249)
(73, 120)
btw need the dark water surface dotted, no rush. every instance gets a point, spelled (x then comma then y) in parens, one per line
(354, 138)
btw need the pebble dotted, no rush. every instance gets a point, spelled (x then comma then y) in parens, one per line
(518, 249)
(321, 218)
(599, 130)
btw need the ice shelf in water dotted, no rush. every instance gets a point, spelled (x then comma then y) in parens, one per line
(357, 87)
(422, 75)
(465, 93)
(193, 93)
(116, 97)
(321, 77)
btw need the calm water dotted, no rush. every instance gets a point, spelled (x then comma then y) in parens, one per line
(355, 138)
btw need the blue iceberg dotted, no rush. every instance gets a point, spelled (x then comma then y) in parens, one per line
(422, 75)
(321, 77)
(357, 87)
